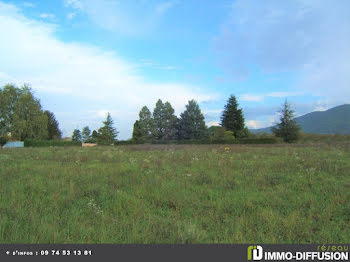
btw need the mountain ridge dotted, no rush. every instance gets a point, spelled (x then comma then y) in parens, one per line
(335, 120)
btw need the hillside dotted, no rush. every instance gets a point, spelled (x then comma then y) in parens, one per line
(332, 121)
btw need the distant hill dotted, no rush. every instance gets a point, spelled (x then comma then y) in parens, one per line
(332, 121)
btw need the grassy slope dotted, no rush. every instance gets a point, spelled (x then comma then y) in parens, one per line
(165, 194)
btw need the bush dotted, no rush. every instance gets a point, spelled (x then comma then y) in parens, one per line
(3, 140)
(47, 143)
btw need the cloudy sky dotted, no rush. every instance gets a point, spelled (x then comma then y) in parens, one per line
(84, 58)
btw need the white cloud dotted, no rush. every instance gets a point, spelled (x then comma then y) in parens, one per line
(76, 4)
(46, 15)
(71, 15)
(255, 124)
(163, 7)
(127, 17)
(261, 97)
(31, 53)
(309, 38)
(251, 97)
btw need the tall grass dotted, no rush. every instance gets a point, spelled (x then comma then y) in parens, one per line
(176, 194)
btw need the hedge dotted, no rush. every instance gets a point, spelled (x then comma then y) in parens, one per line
(269, 140)
(47, 143)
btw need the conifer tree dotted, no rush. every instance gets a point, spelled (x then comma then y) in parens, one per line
(232, 118)
(287, 129)
(191, 123)
(107, 134)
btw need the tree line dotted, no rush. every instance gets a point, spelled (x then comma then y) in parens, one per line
(22, 116)
(163, 124)
(107, 134)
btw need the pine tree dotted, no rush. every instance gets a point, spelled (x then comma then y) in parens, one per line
(287, 129)
(191, 123)
(165, 121)
(107, 134)
(144, 128)
(137, 134)
(85, 133)
(52, 126)
(158, 118)
(76, 135)
(232, 118)
(170, 122)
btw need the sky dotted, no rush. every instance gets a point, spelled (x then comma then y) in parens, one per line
(84, 58)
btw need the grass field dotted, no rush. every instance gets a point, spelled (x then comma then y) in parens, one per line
(176, 194)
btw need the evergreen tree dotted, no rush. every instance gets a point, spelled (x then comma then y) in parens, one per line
(287, 129)
(165, 121)
(52, 126)
(107, 134)
(232, 118)
(191, 124)
(85, 133)
(137, 133)
(144, 128)
(158, 118)
(76, 135)
(94, 134)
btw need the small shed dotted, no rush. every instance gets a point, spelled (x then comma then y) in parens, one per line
(14, 144)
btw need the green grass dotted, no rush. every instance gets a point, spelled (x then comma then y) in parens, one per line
(176, 194)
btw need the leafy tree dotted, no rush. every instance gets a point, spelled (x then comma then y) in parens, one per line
(76, 135)
(52, 126)
(144, 128)
(107, 134)
(221, 133)
(85, 133)
(28, 120)
(9, 95)
(287, 129)
(191, 124)
(232, 118)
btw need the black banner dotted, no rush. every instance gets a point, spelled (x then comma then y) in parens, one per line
(241, 252)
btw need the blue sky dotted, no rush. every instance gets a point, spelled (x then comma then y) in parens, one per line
(84, 58)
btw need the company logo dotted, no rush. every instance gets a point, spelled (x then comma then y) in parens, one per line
(255, 253)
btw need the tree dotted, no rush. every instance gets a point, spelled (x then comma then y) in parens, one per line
(94, 134)
(287, 129)
(221, 133)
(9, 95)
(191, 123)
(107, 134)
(52, 126)
(28, 120)
(85, 133)
(232, 118)
(137, 133)
(165, 121)
(76, 135)
(144, 127)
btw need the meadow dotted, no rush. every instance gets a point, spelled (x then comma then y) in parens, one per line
(176, 194)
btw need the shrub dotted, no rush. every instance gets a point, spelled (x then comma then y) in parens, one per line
(47, 143)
